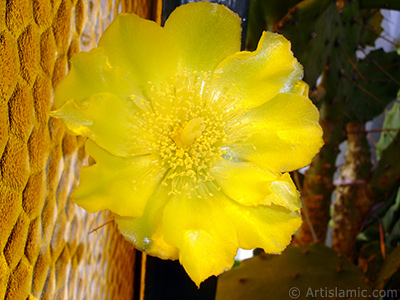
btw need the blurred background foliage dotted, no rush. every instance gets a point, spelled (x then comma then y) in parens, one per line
(350, 238)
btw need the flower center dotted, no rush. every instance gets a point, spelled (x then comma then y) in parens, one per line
(189, 142)
(190, 126)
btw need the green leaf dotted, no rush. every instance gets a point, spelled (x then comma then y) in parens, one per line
(392, 214)
(385, 178)
(394, 236)
(391, 122)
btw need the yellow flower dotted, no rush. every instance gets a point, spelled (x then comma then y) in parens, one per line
(191, 136)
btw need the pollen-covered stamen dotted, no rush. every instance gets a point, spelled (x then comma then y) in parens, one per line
(191, 127)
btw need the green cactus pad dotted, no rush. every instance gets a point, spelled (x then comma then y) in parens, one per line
(370, 97)
(313, 272)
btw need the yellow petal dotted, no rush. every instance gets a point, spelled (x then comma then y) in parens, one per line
(248, 184)
(90, 74)
(146, 232)
(108, 121)
(205, 32)
(267, 227)
(300, 88)
(256, 77)
(122, 185)
(205, 237)
(141, 48)
(284, 134)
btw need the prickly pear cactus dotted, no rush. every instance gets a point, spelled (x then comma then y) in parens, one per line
(351, 86)
(325, 36)
(311, 272)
